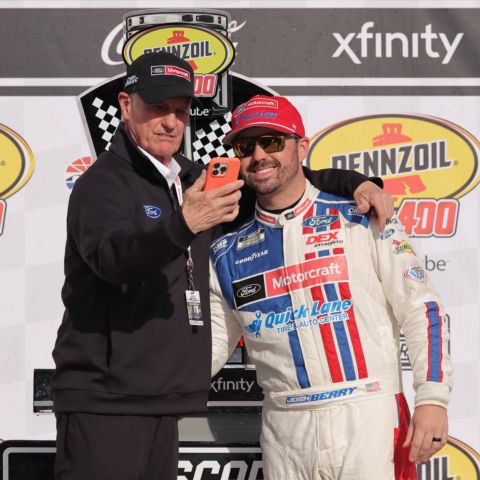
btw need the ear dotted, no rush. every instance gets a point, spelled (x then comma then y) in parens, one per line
(303, 145)
(125, 102)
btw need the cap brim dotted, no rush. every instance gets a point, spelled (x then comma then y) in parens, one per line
(230, 136)
(154, 95)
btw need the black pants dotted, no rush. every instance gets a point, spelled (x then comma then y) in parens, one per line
(116, 447)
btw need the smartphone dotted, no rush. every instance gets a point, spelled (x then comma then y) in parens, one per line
(220, 171)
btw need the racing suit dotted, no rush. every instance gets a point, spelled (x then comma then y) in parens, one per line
(319, 296)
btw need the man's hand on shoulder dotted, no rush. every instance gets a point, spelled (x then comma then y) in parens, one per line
(203, 210)
(369, 195)
(427, 433)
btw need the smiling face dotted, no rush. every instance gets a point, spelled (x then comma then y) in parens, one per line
(277, 177)
(157, 128)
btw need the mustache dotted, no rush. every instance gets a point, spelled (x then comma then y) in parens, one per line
(264, 164)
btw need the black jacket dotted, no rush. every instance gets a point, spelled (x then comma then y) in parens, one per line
(125, 345)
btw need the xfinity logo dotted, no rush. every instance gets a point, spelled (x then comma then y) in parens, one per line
(248, 290)
(389, 44)
(222, 384)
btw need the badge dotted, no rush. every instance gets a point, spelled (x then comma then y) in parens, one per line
(194, 308)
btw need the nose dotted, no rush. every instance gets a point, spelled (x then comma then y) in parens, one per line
(170, 121)
(258, 153)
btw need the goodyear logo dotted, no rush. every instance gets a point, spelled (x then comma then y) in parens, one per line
(455, 461)
(207, 51)
(16, 166)
(427, 164)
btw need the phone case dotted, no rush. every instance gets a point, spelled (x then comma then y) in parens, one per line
(221, 170)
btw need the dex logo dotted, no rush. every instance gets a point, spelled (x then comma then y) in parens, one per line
(388, 44)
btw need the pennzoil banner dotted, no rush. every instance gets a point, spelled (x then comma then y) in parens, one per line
(426, 163)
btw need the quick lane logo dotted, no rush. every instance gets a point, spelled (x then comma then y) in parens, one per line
(455, 461)
(426, 163)
(396, 44)
(16, 167)
(302, 317)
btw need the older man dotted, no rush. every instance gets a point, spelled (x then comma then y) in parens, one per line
(319, 294)
(129, 358)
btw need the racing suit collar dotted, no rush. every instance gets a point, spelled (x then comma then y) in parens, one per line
(279, 220)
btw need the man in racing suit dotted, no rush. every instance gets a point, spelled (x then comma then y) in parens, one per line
(319, 294)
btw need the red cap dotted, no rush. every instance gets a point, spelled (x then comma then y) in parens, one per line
(276, 113)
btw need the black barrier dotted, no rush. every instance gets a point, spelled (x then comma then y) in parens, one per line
(25, 460)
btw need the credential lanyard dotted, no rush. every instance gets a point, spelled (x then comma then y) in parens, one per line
(192, 296)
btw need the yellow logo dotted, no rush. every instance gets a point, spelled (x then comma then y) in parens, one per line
(16, 166)
(418, 157)
(207, 51)
(16, 162)
(455, 461)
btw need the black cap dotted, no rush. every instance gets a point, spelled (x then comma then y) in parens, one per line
(159, 76)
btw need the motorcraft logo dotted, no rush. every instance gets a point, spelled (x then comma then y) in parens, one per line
(169, 70)
(455, 461)
(17, 164)
(427, 164)
(283, 280)
(370, 42)
(256, 103)
(314, 272)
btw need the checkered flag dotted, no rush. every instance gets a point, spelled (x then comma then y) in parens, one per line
(109, 117)
(101, 112)
(208, 142)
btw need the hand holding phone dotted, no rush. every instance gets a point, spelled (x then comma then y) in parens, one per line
(221, 170)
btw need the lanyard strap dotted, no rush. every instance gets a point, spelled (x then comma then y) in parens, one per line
(189, 266)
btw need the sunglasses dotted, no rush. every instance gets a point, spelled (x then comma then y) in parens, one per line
(244, 147)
